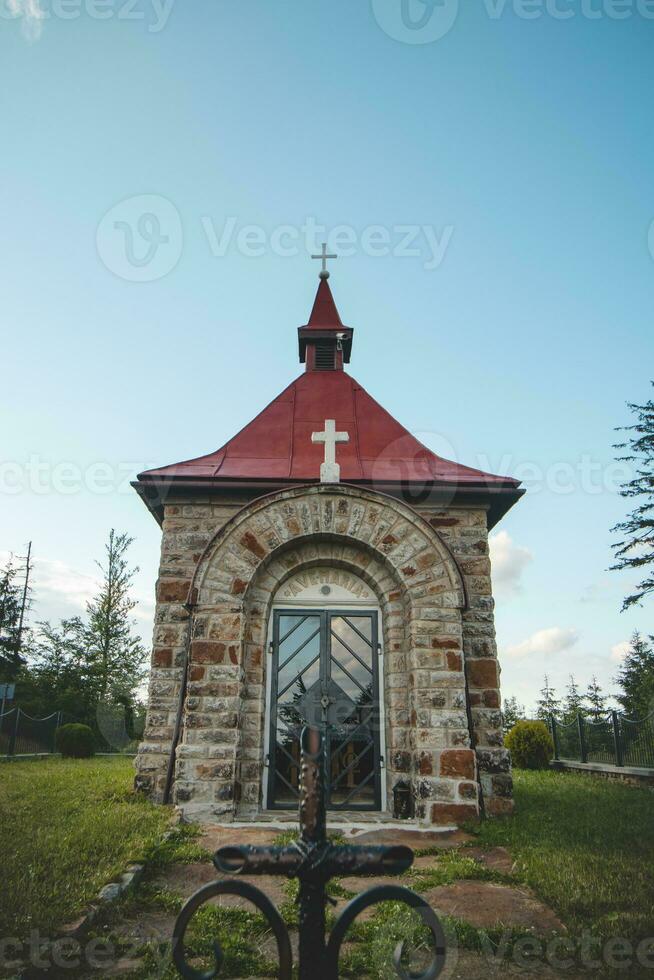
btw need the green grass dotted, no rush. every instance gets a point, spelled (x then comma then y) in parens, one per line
(67, 828)
(586, 847)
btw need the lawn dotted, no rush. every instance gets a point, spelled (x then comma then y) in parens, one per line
(67, 828)
(584, 845)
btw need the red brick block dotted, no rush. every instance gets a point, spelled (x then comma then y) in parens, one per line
(207, 652)
(252, 544)
(163, 657)
(445, 643)
(459, 763)
(483, 674)
(196, 673)
(496, 807)
(454, 660)
(491, 699)
(453, 813)
(444, 521)
(172, 590)
(238, 586)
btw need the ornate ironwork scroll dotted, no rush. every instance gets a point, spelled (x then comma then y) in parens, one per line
(313, 860)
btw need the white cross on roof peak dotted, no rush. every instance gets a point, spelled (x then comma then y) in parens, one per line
(330, 471)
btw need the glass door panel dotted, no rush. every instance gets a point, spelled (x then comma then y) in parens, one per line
(324, 668)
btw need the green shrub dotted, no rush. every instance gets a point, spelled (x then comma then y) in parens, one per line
(75, 741)
(530, 744)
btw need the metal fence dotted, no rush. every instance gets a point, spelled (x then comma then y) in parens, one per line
(20, 734)
(614, 740)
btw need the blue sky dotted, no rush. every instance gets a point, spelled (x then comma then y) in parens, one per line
(511, 157)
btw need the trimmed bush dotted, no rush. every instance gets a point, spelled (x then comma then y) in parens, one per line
(75, 741)
(530, 744)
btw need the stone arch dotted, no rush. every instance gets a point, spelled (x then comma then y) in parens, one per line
(406, 540)
(422, 594)
(392, 598)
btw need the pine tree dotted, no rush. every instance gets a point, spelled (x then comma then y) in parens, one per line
(10, 606)
(574, 702)
(635, 549)
(548, 704)
(636, 678)
(116, 657)
(596, 701)
(512, 712)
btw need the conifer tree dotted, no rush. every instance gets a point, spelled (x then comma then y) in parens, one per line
(512, 712)
(10, 606)
(574, 702)
(548, 703)
(636, 679)
(635, 549)
(116, 657)
(596, 701)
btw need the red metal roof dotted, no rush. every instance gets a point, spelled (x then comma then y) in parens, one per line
(277, 443)
(276, 447)
(324, 313)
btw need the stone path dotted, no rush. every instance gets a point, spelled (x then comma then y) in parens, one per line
(416, 839)
(482, 904)
(485, 904)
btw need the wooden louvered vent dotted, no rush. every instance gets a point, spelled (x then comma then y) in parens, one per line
(325, 357)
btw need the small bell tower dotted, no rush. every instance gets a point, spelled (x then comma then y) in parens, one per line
(324, 343)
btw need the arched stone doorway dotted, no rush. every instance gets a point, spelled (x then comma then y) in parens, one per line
(325, 668)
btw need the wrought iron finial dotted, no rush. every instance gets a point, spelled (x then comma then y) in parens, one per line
(313, 860)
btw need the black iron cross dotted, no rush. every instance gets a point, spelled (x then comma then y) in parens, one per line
(313, 860)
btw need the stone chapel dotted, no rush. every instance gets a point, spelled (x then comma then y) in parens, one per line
(324, 567)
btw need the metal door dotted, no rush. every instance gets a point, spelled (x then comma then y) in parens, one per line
(325, 672)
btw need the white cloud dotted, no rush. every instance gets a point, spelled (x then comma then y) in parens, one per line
(620, 650)
(32, 15)
(60, 581)
(508, 561)
(554, 639)
(60, 591)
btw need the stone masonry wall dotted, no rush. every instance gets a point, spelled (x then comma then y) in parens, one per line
(427, 628)
(465, 532)
(187, 528)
